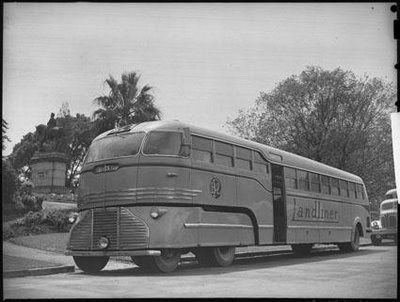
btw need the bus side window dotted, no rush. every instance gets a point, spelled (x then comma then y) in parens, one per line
(344, 188)
(201, 149)
(326, 189)
(302, 177)
(360, 191)
(352, 190)
(243, 158)
(315, 185)
(334, 186)
(260, 164)
(290, 178)
(223, 154)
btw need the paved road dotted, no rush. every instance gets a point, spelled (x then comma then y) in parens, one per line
(369, 273)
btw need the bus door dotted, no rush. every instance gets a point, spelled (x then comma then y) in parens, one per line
(279, 204)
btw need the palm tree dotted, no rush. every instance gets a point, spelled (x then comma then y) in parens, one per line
(126, 103)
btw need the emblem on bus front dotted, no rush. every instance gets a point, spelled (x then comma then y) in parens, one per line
(215, 187)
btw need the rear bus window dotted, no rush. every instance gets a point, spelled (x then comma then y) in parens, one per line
(360, 191)
(163, 143)
(352, 190)
(343, 188)
(114, 146)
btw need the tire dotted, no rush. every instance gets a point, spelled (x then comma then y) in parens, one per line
(353, 245)
(376, 241)
(301, 249)
(91, 264)
(166, 263)
(216, 256)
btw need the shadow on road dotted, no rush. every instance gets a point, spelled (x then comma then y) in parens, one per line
(245, 264)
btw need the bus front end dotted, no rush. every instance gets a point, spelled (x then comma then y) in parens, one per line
(129, 188)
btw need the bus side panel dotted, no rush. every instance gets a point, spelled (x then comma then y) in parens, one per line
(314, 219)
(253, 195)
(169, 230)
(216, 188)
(225, 229)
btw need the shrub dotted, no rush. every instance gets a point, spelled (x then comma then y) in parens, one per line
(39, 222)
(58, 220)
(9, 182)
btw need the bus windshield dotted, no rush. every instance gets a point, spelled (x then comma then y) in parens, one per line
(115, 146)
(387, 206)
(163, 143)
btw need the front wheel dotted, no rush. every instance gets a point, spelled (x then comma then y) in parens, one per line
(353, 245)
(91, 264)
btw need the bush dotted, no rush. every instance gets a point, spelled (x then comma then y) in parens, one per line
(40, 222)
(58, 220)
(9, 182)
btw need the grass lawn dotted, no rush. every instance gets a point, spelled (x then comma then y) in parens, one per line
(54, 242)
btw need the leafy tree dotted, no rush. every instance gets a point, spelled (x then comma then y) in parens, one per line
(333, 117)
(9, 177)
(126, 103)
(78, 134)
(4, 137)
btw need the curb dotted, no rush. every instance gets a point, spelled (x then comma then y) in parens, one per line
(39, 271)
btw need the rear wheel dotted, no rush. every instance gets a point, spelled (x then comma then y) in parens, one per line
(353, 245)
(376, 241)
(301, 249)
(91, 264)
(216, 256)
(167, 262)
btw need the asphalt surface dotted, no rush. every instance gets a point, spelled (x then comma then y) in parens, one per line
(326, 273)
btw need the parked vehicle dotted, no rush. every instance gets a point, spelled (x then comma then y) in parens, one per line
(156, 190)
(386, 227)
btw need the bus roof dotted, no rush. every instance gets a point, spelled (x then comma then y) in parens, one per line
(272, 154)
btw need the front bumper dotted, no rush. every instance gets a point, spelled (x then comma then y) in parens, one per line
(114, 253)
(382, 233)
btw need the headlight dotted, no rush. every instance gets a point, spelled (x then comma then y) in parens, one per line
(104, 242)
(73, 217)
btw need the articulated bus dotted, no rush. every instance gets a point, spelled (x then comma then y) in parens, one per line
(156, 190)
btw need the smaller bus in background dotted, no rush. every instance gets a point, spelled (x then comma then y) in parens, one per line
(386, 226)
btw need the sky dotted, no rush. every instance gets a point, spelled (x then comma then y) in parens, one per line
(205, 60)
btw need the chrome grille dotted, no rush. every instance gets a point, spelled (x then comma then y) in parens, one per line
(80, 237)
(123, 229)
(389, 221)
(105, 225)
(133, 232)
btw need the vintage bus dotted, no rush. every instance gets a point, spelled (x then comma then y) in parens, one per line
(386, 226)
(157, 190)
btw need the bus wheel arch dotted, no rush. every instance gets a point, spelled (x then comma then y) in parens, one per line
(354, 243)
